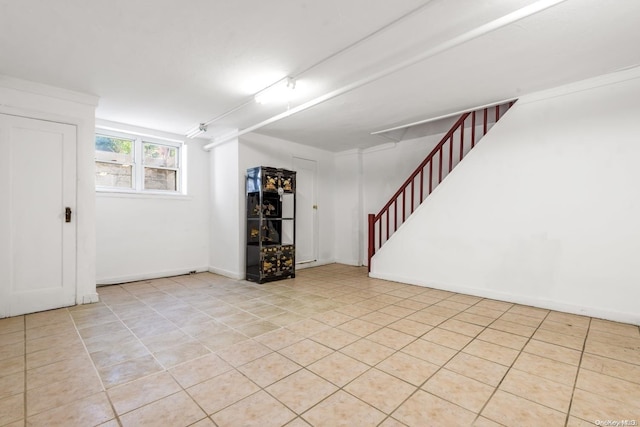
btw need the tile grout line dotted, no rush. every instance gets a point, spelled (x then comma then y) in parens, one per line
(575, 380)
(167, 370)
(394, 350)
(525, 398)
(486, 327)
(511, 366)
(95, 368)
(306, 368)
(75, 326)
(182, 389)
(419, 387)
(297, 415)
(339, 388)
(232, 328)
(209, 285)
(461, 351)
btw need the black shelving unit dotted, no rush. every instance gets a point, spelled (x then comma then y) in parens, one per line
(271, 224)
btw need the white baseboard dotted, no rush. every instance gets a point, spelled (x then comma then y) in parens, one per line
(353, 262)
(616, 316)
(227, 273)
(314, 264)
(148, 276)
(89, 299)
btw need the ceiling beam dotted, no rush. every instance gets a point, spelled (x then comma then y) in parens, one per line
(489, 27)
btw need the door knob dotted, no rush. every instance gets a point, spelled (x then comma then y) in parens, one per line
(67, 214)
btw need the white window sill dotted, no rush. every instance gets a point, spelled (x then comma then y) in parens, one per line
(139, 195)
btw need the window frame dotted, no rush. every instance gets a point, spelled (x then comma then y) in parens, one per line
(115, 162)
(138, 166)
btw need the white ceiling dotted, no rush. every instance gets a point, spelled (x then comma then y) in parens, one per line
(170, 64)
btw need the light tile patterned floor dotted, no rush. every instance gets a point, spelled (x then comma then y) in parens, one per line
(331, 347)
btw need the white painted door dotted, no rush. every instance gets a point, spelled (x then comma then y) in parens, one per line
(37, 245)
(306, 210)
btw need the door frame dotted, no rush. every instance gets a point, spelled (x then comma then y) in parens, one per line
(48, 103)
(69, 241)
(316, 227)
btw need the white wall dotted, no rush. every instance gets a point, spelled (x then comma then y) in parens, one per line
(147, 236)
(39, 101)
(366, 180)
(261, 150)
(385, 169)
(347, 190)
(543, 212)
(388, 166)
(348, 207)
(226, 255)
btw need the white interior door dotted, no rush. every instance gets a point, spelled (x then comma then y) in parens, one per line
(37, 244)
(306, 210)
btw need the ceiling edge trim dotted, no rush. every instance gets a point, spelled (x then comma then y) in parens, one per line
(46, 90)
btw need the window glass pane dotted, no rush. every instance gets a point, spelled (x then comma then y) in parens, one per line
(160, 155)
(160, 179)
(112, 149)
(113, 175)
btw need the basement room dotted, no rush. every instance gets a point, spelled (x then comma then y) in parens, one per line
(319, 213)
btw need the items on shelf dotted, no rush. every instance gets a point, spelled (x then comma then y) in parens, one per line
(270, 224)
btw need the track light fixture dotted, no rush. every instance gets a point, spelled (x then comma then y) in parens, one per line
(199, 130)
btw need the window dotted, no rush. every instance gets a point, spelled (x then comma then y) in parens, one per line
(160, 167)
(132, 163)
(114, 162)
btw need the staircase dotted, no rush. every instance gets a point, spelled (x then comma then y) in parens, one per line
(457, 142)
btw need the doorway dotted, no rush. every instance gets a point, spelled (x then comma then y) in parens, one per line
(306, 210)
(37, 215)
